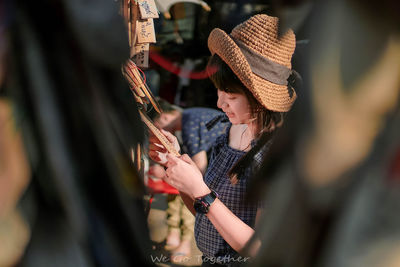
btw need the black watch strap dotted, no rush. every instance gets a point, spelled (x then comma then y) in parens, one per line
(202, 204)
(209, 198)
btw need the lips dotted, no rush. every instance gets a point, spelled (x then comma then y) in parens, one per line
(229, 114)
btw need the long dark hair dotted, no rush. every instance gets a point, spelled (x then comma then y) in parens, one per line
(268, 121)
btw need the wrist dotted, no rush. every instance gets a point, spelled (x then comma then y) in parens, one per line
(201, 191)
(202, 204)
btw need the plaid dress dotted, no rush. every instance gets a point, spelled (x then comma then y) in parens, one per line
(223, 157)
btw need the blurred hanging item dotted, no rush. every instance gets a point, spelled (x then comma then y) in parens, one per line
(139, 15)
(139, 87)
(142, 54)
(142, 95)
(147, 9)
(145, 31)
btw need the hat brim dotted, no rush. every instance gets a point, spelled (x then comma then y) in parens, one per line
(272, 96)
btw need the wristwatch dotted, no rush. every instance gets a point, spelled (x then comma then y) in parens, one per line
(202, 204)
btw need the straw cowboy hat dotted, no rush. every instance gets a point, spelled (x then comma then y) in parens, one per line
(260, 58)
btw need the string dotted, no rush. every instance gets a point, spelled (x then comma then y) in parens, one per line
(241, 137)
(143, 75)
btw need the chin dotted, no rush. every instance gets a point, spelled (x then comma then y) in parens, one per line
(234, 121)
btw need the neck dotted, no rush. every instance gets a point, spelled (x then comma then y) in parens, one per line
(253, 128)
(246, 137)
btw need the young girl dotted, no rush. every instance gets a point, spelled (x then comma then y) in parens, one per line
(253, 65)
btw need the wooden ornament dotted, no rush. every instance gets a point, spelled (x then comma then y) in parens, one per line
(147, 9)
(145, 31)
(164, 141)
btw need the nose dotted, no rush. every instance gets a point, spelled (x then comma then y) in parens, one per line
(221, 102)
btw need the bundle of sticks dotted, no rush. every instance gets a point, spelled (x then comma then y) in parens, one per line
(139, 15)
(140, 90)
(144, 96)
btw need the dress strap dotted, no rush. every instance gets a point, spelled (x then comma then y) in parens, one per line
(217, 119)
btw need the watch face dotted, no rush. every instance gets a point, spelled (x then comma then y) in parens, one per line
(200, 206)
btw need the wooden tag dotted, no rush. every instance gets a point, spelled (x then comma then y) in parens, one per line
(145, 31)
(167, 144)
(134, 16)
(148, 9)
(141, 56)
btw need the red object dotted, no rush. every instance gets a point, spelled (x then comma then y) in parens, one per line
(161, 187)
(171, 67)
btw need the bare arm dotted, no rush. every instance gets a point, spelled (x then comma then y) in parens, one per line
(200, 159)
(234, 231)
(229, 226)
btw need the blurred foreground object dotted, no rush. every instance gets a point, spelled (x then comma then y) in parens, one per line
(84, 204)
(331, 181)
(14, 177)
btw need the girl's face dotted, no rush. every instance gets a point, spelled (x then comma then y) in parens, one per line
(235, 106)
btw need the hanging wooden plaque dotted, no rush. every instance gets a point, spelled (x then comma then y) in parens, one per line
(148, 9)
(145, 31)
(141, 57)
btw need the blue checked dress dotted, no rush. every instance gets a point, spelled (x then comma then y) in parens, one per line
(223, 157)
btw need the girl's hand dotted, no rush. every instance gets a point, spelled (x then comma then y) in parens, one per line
(157, 151)
(156, 171)
(183, 174)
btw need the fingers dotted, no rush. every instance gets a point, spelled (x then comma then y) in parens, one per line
(168, 176)
(187, 159)
(172, 160)
(169, 136)
(154, 140)
(157, 148)
(150, 171)
(156, 171)
(154, 156)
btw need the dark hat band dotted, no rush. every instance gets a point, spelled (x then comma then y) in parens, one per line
(264, 67)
